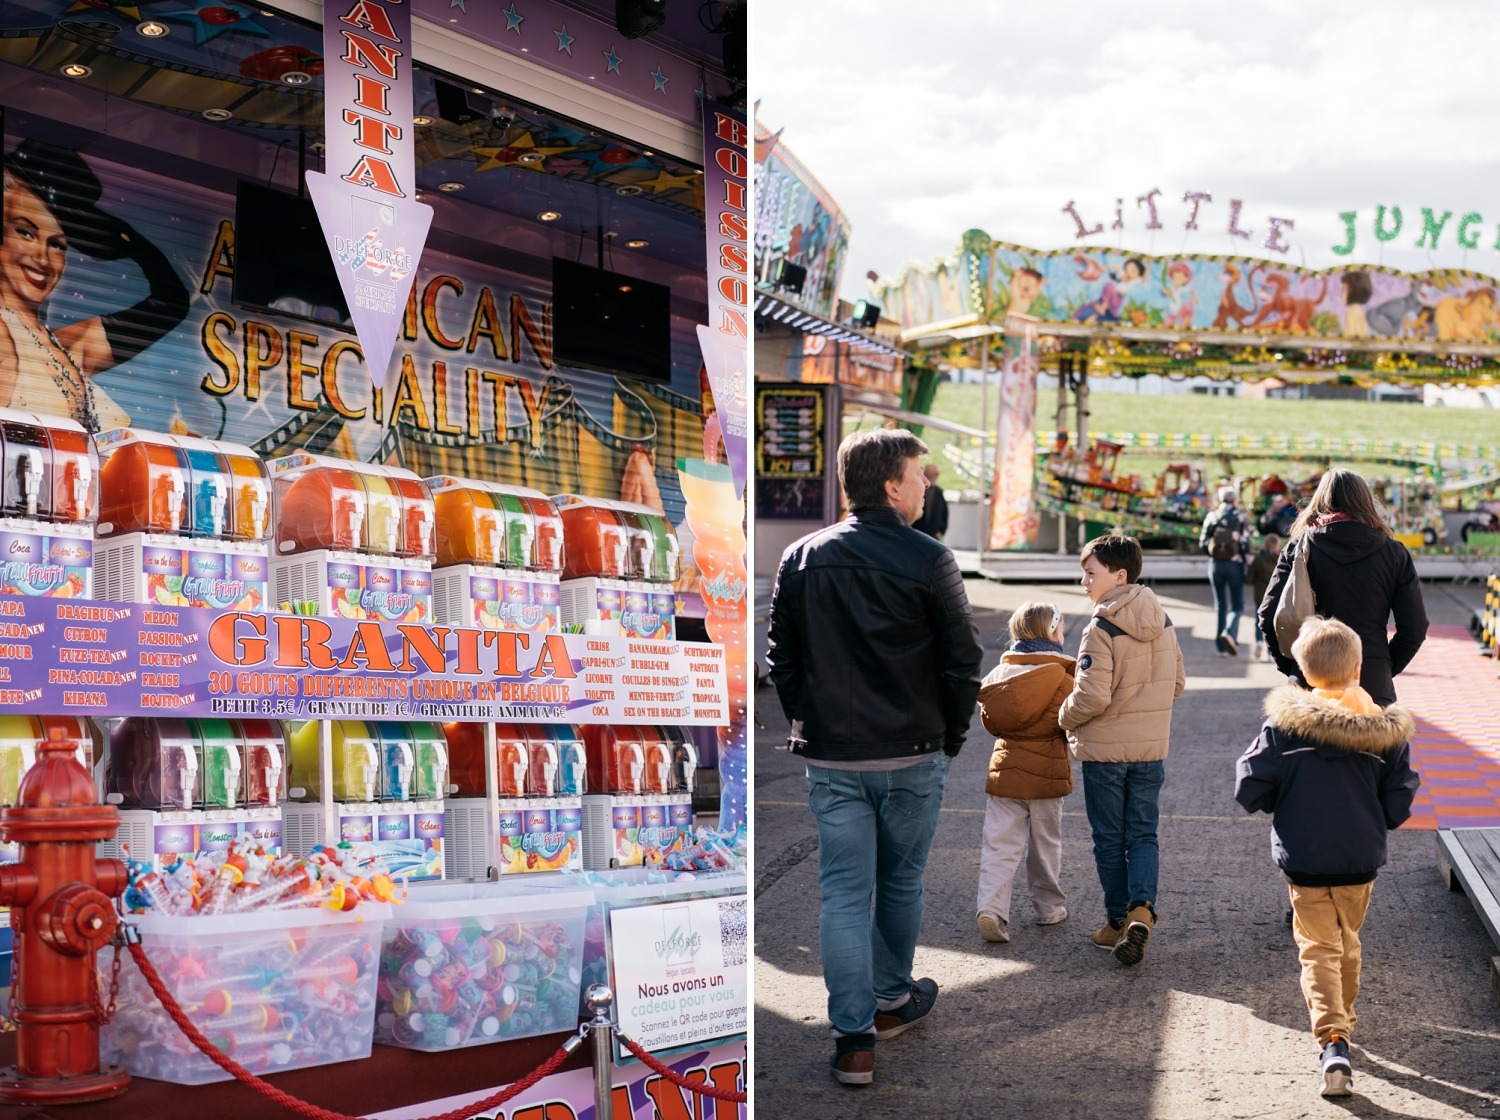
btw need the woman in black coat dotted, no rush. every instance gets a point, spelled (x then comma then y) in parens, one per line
(1360, 575)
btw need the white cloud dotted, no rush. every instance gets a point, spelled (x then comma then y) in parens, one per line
(926, 120)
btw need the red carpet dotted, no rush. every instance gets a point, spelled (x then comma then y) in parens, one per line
(1454, 693)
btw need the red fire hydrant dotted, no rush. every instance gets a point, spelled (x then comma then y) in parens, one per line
(61, 914)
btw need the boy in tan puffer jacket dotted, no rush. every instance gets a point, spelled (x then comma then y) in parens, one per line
(1030, 770)
(1117, 719)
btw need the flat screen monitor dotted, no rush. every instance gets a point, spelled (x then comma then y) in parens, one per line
(610, 323)
(281, 262)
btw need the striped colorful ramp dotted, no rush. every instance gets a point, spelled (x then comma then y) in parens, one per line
(1454, 693)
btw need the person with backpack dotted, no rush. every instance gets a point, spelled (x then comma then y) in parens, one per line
(1226, 541)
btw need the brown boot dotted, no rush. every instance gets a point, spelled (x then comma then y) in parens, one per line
(1139, 923)
(1106, 936)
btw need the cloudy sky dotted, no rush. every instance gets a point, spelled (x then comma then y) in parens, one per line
(924, 119)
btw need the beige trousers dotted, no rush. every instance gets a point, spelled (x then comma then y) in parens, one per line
(1325, 923)
(1013, 827)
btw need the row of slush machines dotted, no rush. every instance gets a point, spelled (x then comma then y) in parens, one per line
(130, 481)
(227, 777)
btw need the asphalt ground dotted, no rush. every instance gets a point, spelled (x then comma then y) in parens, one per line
(1210, 1024)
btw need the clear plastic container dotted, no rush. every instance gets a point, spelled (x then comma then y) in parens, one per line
(512, 760)
(249, 499)
(597, 540)
(467, 964)
(419, 524)
(382, 514)
(208, 473)
(398, 760)
(19, 736)
(465, 758)
(221, 762)
(320, 507)
(276, 990)
(617, 757)
(547, 547)
(329, 503)
(27, 488)
(494, 525)
(154, 764)
(151, 482)
(430, 780)
(572, 759)
(265, 762)
(75, 474)
(356, 761)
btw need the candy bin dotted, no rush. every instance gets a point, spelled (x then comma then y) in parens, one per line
(182, 787)
(499, 555)
(463, 965)
(381, 774)
(49, 498)
(171, 532)
(276, 990)
(352, 540)
(626, 887)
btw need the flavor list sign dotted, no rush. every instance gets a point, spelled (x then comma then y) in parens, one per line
(679, 971)
(106, 659)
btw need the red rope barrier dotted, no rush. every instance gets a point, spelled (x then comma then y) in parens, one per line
(676, 1078)
(286, 1100)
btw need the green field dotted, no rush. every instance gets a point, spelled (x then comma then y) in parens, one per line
(1200, 414)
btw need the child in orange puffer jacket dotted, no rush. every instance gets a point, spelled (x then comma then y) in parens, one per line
(1030, 770)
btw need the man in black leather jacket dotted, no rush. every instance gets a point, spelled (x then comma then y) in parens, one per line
(875, 656)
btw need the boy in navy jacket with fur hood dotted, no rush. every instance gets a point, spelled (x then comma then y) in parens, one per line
(1334, 769)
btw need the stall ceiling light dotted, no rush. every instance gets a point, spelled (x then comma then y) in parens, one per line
(548, 216)
(421, 120)
(637, 243)
(450, 186)
(216, 114)
(151, 29)
(628, 191)
(530, 157)
(296, 77)
(76, 70)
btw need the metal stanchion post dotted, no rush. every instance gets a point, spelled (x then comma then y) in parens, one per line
(601, 1001)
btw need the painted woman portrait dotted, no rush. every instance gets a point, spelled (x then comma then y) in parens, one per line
(50, 206)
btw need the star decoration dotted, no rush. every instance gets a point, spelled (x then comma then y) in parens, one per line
(568, 165)
(127, 8)
(660, 79)
(613, 60)
(564, 40)
(513, 18)
(212, 18)
(665, 182)
(510, 155)
(459, 4)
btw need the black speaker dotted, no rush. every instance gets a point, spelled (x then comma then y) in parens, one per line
(634, 18)
(453, 104)
(735, 36)
(788, 276)
(866, 314)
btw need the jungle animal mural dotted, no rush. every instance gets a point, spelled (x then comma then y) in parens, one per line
(990, 279)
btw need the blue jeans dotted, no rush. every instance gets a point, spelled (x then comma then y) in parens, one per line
(1121, 801)
(1228, 578)
(874, 833)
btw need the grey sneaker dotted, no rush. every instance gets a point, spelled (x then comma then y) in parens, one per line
(888, 1024)
(992, 927)
(1336, 1072)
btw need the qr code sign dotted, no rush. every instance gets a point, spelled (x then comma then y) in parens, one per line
(733, 929)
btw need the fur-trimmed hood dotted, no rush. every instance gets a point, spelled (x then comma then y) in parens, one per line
(1311, 717)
